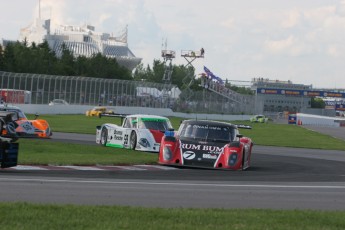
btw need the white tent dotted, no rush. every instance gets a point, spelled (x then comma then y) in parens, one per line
(174, 92)
(148, 91)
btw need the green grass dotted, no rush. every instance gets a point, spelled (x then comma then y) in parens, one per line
(76, 123)
(45, 152)
(290, 136)
(44, 216)
(84, 124)
(262, 134)
(36, 216)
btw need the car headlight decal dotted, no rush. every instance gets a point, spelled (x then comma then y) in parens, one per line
(167, 153)
(233, 159)
(144, 142)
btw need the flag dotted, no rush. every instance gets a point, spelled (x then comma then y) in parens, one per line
(207, 71)
(213, 77)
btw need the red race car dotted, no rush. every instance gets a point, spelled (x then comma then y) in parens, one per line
(206, 144)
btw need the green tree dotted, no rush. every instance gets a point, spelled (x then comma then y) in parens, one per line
(2, 61)
(9, 58)
(46, 59)
(65, 63)
(81, 66)
(317, 103)
(143, 74)
(157, 72)
(239, 89)
(139, 73)
(179, 77)
(25, 57)
(40, 59)
(100, 66)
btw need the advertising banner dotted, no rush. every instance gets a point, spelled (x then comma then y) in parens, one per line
(295, 92)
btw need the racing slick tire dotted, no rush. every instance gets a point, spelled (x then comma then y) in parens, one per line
(104, 136)
(133, 140)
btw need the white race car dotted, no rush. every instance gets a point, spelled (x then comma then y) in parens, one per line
(138, 132)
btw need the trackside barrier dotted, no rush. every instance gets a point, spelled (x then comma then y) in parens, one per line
(80, 109)
(292, 119)
(8, 154)
(316, 120)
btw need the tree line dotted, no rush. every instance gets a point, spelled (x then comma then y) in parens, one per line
(40, 59)
(20, 57)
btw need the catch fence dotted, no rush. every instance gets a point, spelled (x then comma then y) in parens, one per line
(76, 90)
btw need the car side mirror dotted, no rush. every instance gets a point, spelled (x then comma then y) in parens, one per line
(239, 136)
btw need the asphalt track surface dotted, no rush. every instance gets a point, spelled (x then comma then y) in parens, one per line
(280, 178)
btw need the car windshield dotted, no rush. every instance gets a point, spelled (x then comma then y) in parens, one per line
(21, 115)
(58, 102)
(154, 123)
(208, 132)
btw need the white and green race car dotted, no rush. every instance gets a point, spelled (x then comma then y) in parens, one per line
(137, 132)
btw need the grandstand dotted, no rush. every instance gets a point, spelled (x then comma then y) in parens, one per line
(80, 40)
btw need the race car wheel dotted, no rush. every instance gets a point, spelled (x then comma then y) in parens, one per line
(133, 140)
(104, 136)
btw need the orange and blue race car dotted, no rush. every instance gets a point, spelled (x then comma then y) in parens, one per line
(206, 144)
(24, 127)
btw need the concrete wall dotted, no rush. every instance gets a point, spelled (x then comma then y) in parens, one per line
(80, 109)
(321, 112)
(315, 120)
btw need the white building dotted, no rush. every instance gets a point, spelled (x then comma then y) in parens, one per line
(81, 41)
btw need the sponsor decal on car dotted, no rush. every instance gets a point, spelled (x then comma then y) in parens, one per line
(206, 127)
(117, 132)
(119, 138)
(210, 148)
(209, 156)
(189, 155)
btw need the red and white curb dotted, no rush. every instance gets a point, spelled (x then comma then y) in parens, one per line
(93, 168)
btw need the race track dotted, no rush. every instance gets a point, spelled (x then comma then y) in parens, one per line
(280, 178)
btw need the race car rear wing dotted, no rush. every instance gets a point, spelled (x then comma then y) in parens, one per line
(113, 115)
(241, 126)
(122, 116)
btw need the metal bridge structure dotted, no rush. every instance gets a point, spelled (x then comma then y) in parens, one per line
(190, 56)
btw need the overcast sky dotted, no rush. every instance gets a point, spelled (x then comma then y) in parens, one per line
(298, 40)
